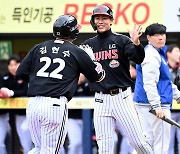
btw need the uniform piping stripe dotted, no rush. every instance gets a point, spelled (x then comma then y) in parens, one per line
(61, 131)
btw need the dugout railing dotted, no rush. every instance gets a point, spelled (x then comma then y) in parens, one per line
(85, 103)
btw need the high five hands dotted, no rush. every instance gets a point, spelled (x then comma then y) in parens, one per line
(135, 33)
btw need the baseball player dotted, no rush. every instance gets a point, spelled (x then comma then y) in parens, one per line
(113, 98)
(52, 69)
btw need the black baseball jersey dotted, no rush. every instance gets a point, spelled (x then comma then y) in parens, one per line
(114, 51)
(18, 85)
(53, 69)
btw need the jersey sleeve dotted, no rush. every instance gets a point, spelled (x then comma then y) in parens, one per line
(25, 66)
(151, 73)
(21, 91)
(87, 66)
(131, 51)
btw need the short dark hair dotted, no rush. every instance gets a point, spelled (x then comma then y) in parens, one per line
(170, 47)
(155, 29)
(15, 58)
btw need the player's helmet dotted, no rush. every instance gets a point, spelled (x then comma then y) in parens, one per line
(100, 9)
(66, 26)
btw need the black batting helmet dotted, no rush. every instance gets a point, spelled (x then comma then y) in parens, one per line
(66, 26)
(100, 9)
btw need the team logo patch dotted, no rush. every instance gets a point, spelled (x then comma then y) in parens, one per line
(6, 77)
(114, 63)
(20, 81)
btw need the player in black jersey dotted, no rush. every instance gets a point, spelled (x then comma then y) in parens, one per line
(52, 69)
(113, 99)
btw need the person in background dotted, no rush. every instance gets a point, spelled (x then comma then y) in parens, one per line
(173, 56)
(75, 122)
(154, 90)
(12, 86)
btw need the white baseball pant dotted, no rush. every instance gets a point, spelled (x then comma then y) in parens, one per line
(47, 118)
(156, 130)
(118, 108)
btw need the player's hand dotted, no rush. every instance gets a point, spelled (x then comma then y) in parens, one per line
(160, 113)
(88, 50)
(6, 93)
(3, 94)
(178, 100)
(135, 33)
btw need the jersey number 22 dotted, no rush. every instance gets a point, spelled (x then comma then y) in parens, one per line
(56, 72)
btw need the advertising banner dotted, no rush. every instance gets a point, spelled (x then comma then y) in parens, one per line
(32, 16)
(75, 103)
(171, 15)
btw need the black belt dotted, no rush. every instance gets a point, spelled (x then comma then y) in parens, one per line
(58, 97)
(55, 97)
(114, 91)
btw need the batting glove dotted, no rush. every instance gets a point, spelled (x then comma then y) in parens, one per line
(6, 93)
(99, 70)
(88, 50)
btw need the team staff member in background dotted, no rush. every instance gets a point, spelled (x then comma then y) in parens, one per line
(13, 86)
(154, 89)
(53, 68)
(113, 98)
(173, 56)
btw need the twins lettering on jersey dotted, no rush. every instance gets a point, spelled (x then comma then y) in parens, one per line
(107, 54)
(112, 53)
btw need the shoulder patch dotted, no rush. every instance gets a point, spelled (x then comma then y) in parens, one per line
(20, 81)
